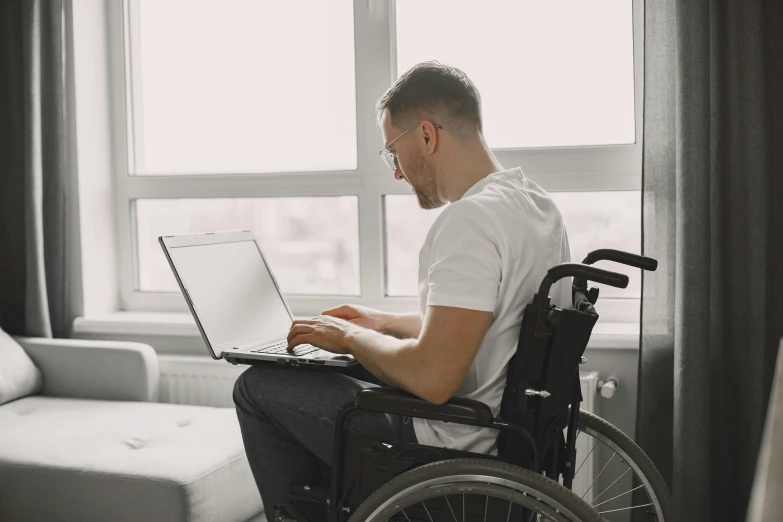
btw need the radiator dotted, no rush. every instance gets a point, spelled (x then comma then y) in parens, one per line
(197, 380)
(586, 458)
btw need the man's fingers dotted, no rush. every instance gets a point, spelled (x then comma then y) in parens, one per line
(300, 338)
(299, 329)
(340, 311)
(303, 321)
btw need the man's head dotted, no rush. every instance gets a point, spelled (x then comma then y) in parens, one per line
(430, 113)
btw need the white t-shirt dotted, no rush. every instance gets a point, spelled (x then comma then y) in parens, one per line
(489, 251)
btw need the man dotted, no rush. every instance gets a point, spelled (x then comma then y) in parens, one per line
(479, 267)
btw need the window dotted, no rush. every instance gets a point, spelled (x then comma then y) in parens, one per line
(244, 87)
(260, 114)
(550, 74)
(406, 229)
(604, 220)
(311, 243)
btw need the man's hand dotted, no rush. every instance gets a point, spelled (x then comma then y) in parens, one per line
(328, 333)
(360, 315)
(401, 326)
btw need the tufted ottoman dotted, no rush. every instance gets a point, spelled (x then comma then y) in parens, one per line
(82, 460)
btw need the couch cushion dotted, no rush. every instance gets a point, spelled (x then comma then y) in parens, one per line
(18, 375)
(75, 459)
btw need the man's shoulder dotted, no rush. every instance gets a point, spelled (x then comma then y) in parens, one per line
(472, 208)
(514, 203)
(464, 215)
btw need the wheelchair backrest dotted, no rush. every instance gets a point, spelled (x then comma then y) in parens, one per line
(543, 374)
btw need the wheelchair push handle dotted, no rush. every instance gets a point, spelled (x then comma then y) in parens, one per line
(618, 256)
(585, 272)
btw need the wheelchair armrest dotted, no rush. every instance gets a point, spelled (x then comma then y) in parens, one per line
(457, 409)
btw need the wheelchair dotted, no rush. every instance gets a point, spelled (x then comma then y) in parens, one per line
(532, 476)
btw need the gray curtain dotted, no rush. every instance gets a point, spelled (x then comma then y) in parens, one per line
(712, 314)
(33, 169)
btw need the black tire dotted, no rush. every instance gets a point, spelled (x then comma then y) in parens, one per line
(655, 485)
(470, 472)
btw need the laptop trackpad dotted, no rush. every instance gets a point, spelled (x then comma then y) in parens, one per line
(323, 354)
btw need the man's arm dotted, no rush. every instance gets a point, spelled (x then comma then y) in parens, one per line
(464, 275)
(432, 366)
(402, 326)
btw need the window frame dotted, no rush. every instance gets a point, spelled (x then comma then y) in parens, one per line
(584, 168)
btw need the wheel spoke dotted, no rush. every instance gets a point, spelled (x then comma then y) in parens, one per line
(452, 511)
(612, 484)
(586, 457)
(597, 476)
(618, 496)
(427, 510)
(479, 479)
(625, 509)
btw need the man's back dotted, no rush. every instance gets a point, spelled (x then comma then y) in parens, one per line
(489, 251)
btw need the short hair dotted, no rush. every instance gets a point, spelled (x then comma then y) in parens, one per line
(432, 89)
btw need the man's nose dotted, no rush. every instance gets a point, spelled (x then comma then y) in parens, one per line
(398, 175)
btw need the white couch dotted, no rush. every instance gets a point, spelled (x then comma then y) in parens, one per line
(95, 446)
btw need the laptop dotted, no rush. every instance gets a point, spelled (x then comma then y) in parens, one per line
(236, 301)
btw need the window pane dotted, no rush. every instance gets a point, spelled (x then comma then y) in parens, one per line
(604, 220)
(312, 244)
(407, 225)
(593, 220)
(235, 86)
(549, 73)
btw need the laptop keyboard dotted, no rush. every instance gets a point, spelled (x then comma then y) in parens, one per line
(281, 348)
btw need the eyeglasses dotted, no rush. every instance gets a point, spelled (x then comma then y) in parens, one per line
(390, 157)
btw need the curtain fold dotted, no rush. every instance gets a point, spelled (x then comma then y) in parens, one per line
(712, 314)
(33, 182)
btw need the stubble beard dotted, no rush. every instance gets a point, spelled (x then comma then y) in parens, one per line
(427, 189)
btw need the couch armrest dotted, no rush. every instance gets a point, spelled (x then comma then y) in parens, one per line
(105, 370)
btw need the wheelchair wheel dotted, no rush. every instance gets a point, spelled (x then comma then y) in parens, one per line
(472, 490)
(614, 490)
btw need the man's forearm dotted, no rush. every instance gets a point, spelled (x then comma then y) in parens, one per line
(394, 361)
(402, 326)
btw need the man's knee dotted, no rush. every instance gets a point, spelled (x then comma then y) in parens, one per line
(271, 390)
(239, 394)
(254, 383)
(258, 387)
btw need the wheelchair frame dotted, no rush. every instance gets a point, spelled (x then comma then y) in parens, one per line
(464, 411)
(475, 413)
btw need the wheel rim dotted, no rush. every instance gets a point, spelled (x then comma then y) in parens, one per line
(514, 493)
(607, 502)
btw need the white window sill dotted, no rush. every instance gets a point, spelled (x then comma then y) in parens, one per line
(605, 334)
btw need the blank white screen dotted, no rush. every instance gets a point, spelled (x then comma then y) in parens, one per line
(232, 291)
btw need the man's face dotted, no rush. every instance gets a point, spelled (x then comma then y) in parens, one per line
(412, 164)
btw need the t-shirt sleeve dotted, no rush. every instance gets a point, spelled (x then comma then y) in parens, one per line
(465, 266)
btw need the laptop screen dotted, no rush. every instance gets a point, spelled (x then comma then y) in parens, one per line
(232, 292)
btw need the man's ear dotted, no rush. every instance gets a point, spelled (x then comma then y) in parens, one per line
(430, 136)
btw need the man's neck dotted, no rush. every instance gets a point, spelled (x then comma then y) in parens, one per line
(467, 172)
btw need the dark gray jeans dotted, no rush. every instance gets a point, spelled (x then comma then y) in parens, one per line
(287, 417)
